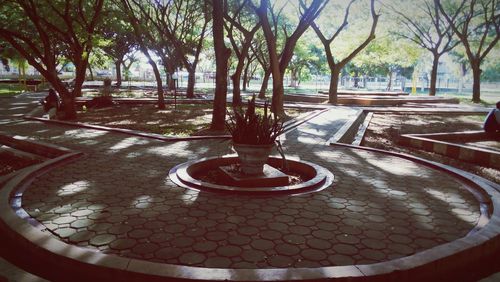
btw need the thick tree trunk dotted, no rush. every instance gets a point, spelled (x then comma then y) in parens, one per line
(263, 87)
(118, 66)
(476, 86)
(276, 61)
(432, 88)
(156, 71)
(191, 82)
(170, 82)
(169, 70)
(222, 54)
(81, 68)
(159, 87)
(236, 77)
(278, 93)
(67, 97)
(69, 107)
(334, 83)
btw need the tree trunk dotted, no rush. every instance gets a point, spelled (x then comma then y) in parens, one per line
(278, 93)
(274, 60)
(91, 73)
(81, 68)
(265, 82)
(389, 84)
(169, 70)
(67, 97)
(334, 83)
(294, 79)
(118, 65)
(435, 62)
(236, 77)
(249, 75)
(191, 82)
(476, 86)
(222, 54)
(127, 72)
(159, 87)
(245, 77)
(69, 107)
(171, 82)
(463, 72)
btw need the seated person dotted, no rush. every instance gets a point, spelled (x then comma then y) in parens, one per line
(51, 103)
(492, 121)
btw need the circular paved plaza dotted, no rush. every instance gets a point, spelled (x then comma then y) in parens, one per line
(114, 212)
(119, 201)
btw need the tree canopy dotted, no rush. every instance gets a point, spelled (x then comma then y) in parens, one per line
(296, 38)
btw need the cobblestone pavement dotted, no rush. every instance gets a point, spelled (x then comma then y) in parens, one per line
(119, 200)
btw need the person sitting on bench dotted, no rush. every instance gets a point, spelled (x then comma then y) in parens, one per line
(51, 103)
(492, 121)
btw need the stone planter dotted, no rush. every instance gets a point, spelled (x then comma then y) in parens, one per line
(253, 157)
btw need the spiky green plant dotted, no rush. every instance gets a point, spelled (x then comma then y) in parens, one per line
(248, 127)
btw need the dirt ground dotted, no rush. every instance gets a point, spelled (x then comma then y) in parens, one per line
(10, 163)
(384, 131)
(193, 119)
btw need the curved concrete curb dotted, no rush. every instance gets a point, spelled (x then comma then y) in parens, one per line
(182, 176)
(85, 265)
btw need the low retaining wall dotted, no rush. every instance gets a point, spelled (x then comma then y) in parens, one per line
(368, 93)
(141, 101)
(368, 100)
(444, 144)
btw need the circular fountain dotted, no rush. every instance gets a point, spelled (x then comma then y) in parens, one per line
(222, 174)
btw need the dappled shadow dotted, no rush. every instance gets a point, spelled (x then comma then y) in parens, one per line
(119, 200)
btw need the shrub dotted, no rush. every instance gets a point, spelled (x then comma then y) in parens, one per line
(248, 127)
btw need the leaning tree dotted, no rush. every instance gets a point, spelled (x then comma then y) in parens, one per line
(222, 54)
(139, 22)
(182, 27)
(269, 16)
(44, 31)
(336, 64)
(241, 25)
(117, 38)
(476, 23)
(258, 48)
(427, 28)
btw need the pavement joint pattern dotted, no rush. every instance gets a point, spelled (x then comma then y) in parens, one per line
(119, 202)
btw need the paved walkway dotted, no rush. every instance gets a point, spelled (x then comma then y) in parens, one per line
(118, 200)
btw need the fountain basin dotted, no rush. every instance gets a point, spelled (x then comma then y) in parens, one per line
(205, 174)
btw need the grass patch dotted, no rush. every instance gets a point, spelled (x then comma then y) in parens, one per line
(184, 121)
(468, 101)
(187, 120)
(10, 89)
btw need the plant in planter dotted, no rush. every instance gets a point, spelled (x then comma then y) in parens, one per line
(253, 136)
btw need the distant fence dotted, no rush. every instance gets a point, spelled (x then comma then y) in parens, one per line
(207, 80)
